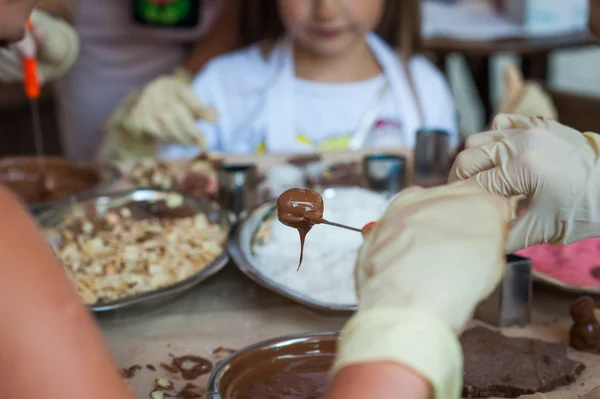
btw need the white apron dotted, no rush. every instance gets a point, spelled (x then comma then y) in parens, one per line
(279, 104)
(117, 56)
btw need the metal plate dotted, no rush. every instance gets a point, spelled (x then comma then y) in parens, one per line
(56, 218)
(109, 175)
(250, 357)
(240, 247)
(554, 284)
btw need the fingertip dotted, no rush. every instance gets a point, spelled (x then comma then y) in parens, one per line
(367, 228)
(502, 122)
(513, 79)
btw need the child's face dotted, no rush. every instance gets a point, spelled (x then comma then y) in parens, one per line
(328, 27)
(13, 17)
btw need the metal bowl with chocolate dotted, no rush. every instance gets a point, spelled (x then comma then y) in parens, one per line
(139, 246)
(45, 182)
(294, 366)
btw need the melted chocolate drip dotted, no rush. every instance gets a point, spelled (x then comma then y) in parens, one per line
(301, 209)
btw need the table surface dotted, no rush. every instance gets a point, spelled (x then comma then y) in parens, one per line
(230, 311)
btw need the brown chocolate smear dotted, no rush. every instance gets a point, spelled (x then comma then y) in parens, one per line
(150, 367)
(169, 368)
(584, 334)
(190, 391)
(191, 367)
(58, 178)
(301, 209)
(129, 372)
(222, 350)
(500, 366)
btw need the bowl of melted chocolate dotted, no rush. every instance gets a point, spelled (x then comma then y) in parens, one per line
(43, 182)
(291, 367)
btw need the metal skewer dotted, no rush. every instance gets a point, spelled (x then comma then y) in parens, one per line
(32, 91)
(323, 221)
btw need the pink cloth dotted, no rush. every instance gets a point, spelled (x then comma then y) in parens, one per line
(571, 263)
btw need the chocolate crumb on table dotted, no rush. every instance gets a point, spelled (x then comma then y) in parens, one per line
(169, 368)
(190, 391)
(129, 372)
(219, 351)
(191, 367)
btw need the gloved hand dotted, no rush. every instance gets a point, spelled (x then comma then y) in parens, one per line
(410, 277)
(52, 41)
(120, 146)
(555, 166)
(164, 110)
(525, 98)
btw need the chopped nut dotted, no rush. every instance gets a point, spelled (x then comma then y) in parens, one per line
(132, 256)
(174, 200)
(163, 383)
(157, 394)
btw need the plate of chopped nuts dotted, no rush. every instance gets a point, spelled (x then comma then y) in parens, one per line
(138, 246)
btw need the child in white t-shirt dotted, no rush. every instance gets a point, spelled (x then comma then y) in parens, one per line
(322, 75)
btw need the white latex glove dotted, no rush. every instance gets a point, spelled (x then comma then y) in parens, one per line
(52, 41)
(411, 277)
(555, 166)
(166, 110)
(525, 98)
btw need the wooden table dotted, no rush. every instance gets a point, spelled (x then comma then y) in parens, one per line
(534, 52)
(229, 310)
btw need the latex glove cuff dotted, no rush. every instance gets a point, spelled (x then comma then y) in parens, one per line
(407, 337)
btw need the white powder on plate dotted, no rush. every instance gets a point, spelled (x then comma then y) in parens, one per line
(327, 272)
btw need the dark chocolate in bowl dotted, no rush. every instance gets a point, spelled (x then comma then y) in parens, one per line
(293, 367)
(64, 179)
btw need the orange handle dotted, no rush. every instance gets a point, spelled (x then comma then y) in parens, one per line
(32, 85)
(367, 228)
(30, 76)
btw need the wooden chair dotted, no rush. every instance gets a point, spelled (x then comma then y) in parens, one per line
(581, 112)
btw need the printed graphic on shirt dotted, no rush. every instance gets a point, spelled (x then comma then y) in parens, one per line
(385, 133)
(167, 13)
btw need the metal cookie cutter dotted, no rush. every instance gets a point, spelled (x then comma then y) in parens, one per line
(510, 303)
(384, 172)
(237, 187)
(431, 157)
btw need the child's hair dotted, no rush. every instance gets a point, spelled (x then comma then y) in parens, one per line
(400, 24)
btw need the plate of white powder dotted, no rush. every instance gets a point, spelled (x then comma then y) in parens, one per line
(268, 251)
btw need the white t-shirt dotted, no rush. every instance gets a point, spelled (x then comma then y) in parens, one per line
(325, 116)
